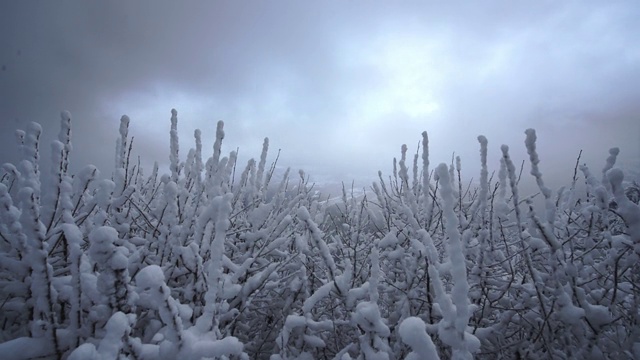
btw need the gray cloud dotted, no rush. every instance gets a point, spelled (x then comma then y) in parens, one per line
(338, 86)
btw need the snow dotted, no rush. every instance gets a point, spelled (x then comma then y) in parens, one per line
(102, 244)
(569, 313)
(110, 345)
(318, 295)
(412, 331)
(26, 348)
(367, 315)
(85, 351)
(151, 277)
(314, 341)
(119, 261)
(215, 349)
(389, 240)
(295, 321)
(230, 266)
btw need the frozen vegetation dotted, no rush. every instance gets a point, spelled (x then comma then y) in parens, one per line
(219, 261)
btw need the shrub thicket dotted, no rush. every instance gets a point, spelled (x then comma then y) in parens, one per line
(196, 264)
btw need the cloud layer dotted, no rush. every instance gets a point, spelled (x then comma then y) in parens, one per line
(338, 86)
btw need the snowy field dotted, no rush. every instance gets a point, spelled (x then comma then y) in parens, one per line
(219, 260)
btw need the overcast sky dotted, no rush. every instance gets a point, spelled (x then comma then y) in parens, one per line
(339, 86)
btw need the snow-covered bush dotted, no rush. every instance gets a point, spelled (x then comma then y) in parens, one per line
(199, 264)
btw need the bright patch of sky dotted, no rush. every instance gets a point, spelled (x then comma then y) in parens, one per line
(411, 76)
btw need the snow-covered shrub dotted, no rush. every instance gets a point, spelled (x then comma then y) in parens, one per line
(199, 263)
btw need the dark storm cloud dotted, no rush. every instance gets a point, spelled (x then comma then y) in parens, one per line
(82, 56)
(337, 85)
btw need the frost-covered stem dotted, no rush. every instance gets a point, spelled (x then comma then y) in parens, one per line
(151, 183)
(394, 181)
(59, 166)
(444, 301)
(32, 147)
(198, 159)
(155, 294)
(187, 230)
(31, 154)
(535, 278)
(189, 171)
(217, 145)
(229, 170)
(171, 316)
(459, 172)
(386, 197)
(52, 199)
(415, 172)
(479, 207)
(65, 138)
(319, 243)
(502, 209)
(174, 165)
(272, 169)
(569, 197)
(116, 343)
(172, 215)
(252, 185)
(243, 191)
(44, 319)
(103, 201)
(478, 215)
(10, 216)
(262, 163)
(121, 145)
(10, 177)
(74, 237)
(374, 339)
(128, 177)
(511, 172)
(425, 164)
(404, 172)
(460, 290)
(112, 260)
(219, 210)
(546, 229)
(599, 191)
(530, 143)
(72, 233)
(374, 277)
(549, 236)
